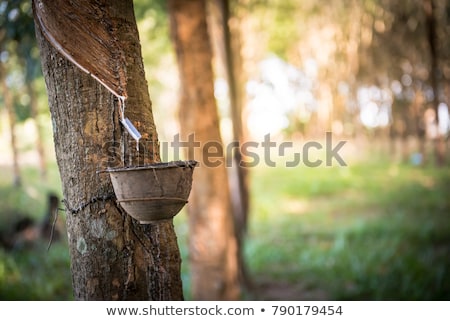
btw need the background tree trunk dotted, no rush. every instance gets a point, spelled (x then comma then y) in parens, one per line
(229, 55)
(212, 242)
(113, 257)
(439, 142)
(236, 102)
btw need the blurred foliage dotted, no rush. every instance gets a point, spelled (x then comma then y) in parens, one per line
(153, 24)
(18, 53)
(29, 271)
(17, 36)
(380, 43)
(35, 274)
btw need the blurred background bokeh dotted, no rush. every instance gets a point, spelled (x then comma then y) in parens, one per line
(375, 73)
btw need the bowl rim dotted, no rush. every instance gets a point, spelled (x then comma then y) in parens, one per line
(163, 165)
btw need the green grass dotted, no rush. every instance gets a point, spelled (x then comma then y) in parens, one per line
(35, 274)
(370, 231)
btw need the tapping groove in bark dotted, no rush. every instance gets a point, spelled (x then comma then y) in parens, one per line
(89, 23)
(113, 257)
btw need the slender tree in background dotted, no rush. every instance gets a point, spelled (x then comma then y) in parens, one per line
(212, 241)
(429, 9)
(18, 40)
(24, 36)
(31, 91)
(227, 53)
(8, 101)
(231, 58)
(113, 257)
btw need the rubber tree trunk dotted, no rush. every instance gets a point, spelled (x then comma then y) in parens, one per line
(212, 242)
(113, 257)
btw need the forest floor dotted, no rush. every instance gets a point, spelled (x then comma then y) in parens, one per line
(370, 231)
(373, 230)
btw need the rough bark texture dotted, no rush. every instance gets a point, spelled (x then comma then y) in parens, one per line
(113, 257)
(212, 243)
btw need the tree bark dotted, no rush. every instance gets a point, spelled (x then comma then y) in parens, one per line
(113, 257)
(212, 242)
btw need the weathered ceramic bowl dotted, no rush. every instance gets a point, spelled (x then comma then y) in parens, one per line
(153, 192)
